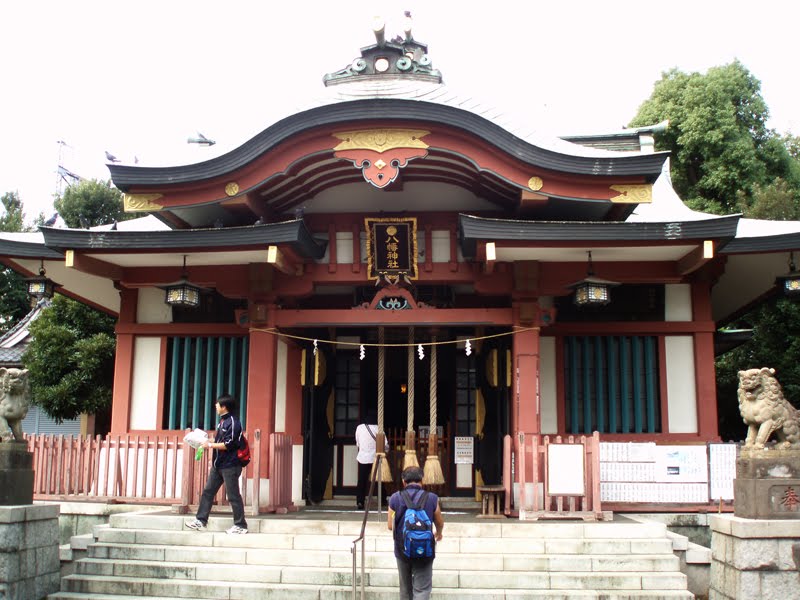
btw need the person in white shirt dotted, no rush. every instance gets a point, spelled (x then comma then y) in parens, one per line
(366, 434)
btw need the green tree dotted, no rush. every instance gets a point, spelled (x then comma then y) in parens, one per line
(775, 344)
(721, 148)
(89, 203)
(14, 302)
(71, 359)
(13, 218)
(775, 201)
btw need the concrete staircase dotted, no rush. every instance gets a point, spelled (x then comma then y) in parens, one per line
(307, 556)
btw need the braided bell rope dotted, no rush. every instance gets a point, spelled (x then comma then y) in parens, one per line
(433, 387)
(381, 377)
(410, 424)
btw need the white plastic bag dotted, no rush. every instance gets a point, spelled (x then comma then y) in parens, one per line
(196, 438)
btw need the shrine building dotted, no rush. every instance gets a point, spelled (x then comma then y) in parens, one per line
(398, 249)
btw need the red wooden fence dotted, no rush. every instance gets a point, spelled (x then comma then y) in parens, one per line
(151, 468)
(533, 463)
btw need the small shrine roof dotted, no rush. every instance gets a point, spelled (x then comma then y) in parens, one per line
(292, 233)
(476, 229)
(14, 342)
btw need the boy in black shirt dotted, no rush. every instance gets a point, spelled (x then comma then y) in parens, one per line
(225, 468)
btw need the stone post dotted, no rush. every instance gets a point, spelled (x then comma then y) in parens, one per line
(29, 562)
(767, 484)
(754, 558)
(16, 474)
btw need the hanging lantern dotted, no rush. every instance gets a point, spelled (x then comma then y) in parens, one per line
(41, 286)
(791, 281)
(182, 293)
(591, 290)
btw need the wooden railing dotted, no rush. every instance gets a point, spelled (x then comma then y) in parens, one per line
(395, 454)
(572, 489)
(126, 468)
(280, 473)
(152, 469)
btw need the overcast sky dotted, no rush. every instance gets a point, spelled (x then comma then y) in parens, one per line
(138, 78)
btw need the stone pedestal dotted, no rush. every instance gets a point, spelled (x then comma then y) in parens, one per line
(767, 484)
(16, 474)
(753, 558)
(29, 562)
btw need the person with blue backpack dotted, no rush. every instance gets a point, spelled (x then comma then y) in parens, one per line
(412, 512)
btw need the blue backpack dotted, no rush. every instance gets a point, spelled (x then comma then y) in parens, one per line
(416, 528)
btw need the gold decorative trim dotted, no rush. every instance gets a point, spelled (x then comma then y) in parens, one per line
(232, 188)
(141, 202)
(535, 183)
(381, 140)
(641, 193)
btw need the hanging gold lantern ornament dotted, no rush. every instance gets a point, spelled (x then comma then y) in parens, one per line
(183, 293)
(41, 286)
(791, 281)
(591, 290)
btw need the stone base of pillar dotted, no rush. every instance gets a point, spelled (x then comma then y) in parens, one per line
(16, 474)
(767, 484)
(29, 562)
(754, 558)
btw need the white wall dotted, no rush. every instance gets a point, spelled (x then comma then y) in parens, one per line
(681, 391)
(349, 466)
(678, 302)
(464, 475)
(151, 307)
(440, 239)
(297, 474)
(548, 403)
(280, 387)
(344, 247)
(145, 392)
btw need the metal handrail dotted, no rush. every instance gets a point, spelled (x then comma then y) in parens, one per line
(373, 480)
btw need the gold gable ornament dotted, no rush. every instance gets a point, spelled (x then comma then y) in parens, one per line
(141, 202)
(633, 194)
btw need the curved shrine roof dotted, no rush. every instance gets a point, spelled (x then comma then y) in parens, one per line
(568, 158)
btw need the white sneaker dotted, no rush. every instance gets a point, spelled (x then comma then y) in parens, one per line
(236, 530)
(196, 525)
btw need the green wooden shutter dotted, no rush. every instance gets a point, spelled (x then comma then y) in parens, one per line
(611, 384)
(200, 369)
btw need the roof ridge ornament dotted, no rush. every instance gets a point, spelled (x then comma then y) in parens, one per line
(400, 58)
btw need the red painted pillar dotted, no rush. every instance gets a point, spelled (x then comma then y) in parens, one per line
(705, 369)
(123, 364)
(525, 394)
(261, 387)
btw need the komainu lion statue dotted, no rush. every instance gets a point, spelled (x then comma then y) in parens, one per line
(15, 398)
(765, 411)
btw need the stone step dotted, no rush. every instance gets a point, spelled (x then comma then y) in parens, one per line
(513, 561)
(495, 529)
(107, 588)
(379, 540)
(180, 572)
(385, 583)
(332, 543)
(149, 555)
(390, 593)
